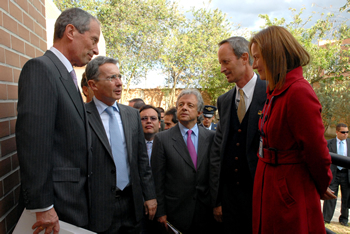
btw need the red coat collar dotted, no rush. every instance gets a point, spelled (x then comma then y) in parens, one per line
(291, 77)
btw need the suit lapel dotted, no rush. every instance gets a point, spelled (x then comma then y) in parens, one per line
(202, 146)
(127, 133)
(181, 147)
(68, 83)
(227, 112)
(255, 108)
(97, 125)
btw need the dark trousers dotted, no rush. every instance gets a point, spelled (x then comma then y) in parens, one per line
(203, 220)
(237, 208)
(124, 220)
(341, 179)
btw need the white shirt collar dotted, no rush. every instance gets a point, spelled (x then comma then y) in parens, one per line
(248, 89)
(101, 107)
(62, 58)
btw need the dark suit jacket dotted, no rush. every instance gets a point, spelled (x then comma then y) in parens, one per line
(224, 105)
(103, 180)
(332, 146)
(51, 140)
(178, 184)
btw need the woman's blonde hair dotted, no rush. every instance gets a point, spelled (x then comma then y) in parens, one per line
(281, 53)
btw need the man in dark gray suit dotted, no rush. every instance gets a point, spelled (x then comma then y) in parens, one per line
(122, 178)
(341, 176)
(51, 125)
(180, 165)
(234, 151)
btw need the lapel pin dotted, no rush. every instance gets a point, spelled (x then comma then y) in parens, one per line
(259, 112)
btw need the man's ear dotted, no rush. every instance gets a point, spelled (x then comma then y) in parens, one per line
(245, 57)
(92, 85)
(69, 32)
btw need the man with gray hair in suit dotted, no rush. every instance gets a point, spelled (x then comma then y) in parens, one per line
(122, 182)
(51, 126)
(180, 164)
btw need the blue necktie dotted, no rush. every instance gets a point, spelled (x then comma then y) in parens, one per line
(119, 156)
(341, 151)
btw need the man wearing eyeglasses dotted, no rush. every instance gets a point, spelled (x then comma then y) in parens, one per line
(341, 176)
(150, 120)
(121, 181)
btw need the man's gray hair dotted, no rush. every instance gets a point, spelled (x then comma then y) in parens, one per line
(92, 71)
(200, 104)
(75, 16)
(240, 46)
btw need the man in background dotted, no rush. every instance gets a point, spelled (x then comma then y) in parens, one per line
(88, 93)
(162, 125)
(341, 176)
(51, 125)
(180, 164)
(208, 116)
(170, 118)
(137, 103)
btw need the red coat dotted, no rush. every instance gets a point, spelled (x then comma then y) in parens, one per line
(286, 197)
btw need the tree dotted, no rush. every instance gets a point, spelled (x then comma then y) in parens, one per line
(328, 71)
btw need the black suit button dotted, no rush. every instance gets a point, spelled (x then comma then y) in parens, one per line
(113, 171)
(237, 144)
(236, 158)
(113, 188)
(236, 170)
(239, 130)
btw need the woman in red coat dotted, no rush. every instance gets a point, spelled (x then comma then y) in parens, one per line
(293, 171)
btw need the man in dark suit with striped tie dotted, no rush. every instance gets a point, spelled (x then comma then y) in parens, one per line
(121, 183)
(180, 165)
(51, 125)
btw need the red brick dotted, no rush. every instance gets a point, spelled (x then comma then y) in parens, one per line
(38, 53)
(29, 50)
(16, 12)
(5, 38)
(5, 166)
(23, 33)
(11, 181)
(12, 126)
(17, 192)
(37, 5)
(1, 18)
(5, 72)
(23, 60)
(23, 4)
(7, 110)
(6, 204)
(44, 37)
(2, 55)
(8, 146)
(17, 44)
(15, 163)
(41, 19)
(3, 92)
(16, 73)
(4, 128)
(4, 5)
(9, 23)
(34, 39)
(38, 29)
(27, 21)
(1, 195)
(43, 45)
(12, 58)
(2, 226)
(12, 91)
(12, 219)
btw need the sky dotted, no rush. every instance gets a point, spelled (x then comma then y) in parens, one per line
(245, 13)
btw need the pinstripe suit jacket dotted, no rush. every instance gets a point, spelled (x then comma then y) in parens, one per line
(178, 184)
(51, 140)
(103, 179)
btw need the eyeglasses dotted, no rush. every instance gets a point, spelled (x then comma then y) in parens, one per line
(344, 132)
(112, 78)
(152, 118)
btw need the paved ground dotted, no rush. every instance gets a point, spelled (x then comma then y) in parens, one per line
(337, 210)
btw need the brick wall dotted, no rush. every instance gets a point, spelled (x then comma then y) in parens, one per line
(22, 36)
